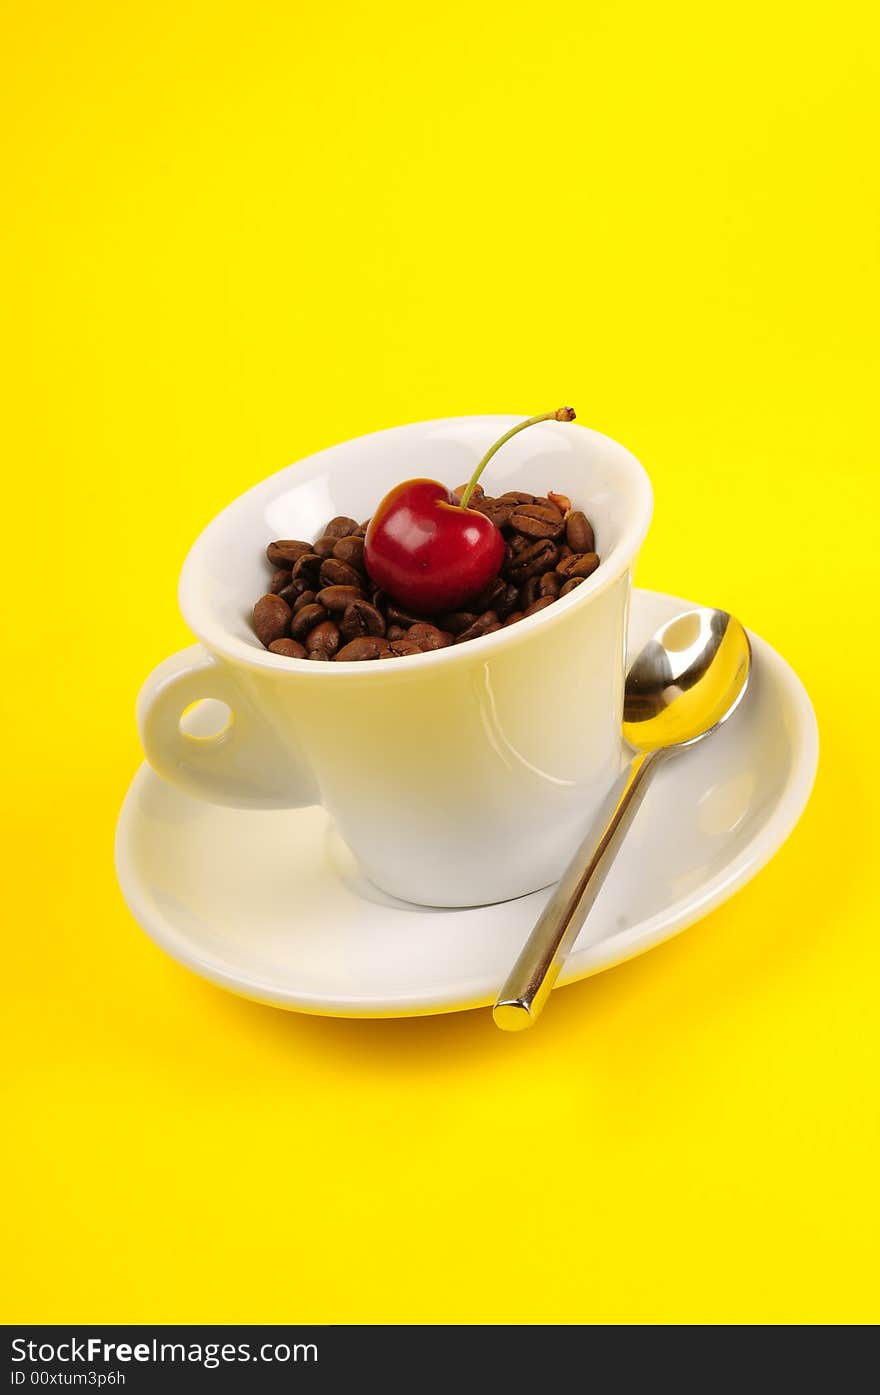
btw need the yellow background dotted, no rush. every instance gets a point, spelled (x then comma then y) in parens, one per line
(236, 234)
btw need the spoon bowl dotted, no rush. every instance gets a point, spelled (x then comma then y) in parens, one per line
(689, 678)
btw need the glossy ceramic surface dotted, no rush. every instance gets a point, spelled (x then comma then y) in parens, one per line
(270, 904)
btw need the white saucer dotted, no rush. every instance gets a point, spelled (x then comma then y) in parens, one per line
(271, 904)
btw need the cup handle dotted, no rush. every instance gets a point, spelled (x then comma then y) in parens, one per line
(244, 765)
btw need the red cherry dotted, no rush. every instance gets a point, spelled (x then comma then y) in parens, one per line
(427, 552)
(427, 549)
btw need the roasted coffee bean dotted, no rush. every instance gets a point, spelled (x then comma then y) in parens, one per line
(339, 597)
(538, 521)
(306, 598)
(562, 502)
(498, 511)
(483, 625)
(350, 550)
(364, 647)
(324, 546)
(543, 501)
(579, 532)
(428, 636)
(292, 593)
(534, 560)
(271, 619)
(513, 617)
(550, 585)
(361, 618)
(529, 591)
(516, 544)
(336, 573)
(288, 647)
(398, 616)
(308, 566)
(280, 581)
(476, 493)
(286, 551)
(361, 531)
(323, 641)
(485, 599)
(566, 565)
(457, 622)
(399, 648)
(578, 564)
(516, 497)
(395, 632)
(499, 596)
(571, 585)
(306, 619)
(340, 527)
(540, 604)
(506, 602)
(564, 550)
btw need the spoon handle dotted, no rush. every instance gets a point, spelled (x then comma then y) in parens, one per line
(543, 954)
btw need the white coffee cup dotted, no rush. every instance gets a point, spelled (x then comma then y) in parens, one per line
(457, 777)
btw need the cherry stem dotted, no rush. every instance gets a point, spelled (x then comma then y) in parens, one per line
(561, 414)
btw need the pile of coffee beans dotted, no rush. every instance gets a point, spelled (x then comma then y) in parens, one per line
(321, 603)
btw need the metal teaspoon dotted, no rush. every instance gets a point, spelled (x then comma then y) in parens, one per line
(686, 681)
